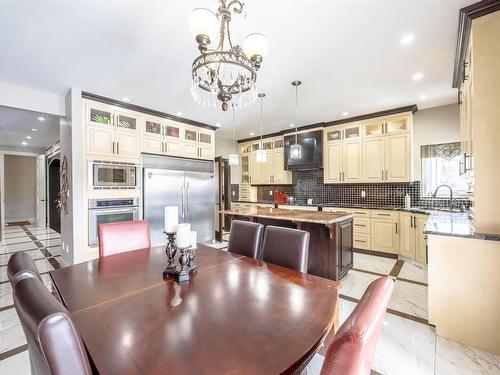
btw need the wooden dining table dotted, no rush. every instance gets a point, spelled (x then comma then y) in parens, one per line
(236, 315)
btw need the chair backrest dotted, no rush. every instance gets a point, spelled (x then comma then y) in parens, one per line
(245, 238)
(21, 266)
(54, 344)
(116, 238)
(353, 346)
(286, 247)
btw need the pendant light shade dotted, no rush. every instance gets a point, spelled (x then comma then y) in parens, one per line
(233, 157)
(296, 149)
(261, 154)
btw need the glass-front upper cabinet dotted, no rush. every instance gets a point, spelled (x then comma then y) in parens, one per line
(333, 135)
(125, 121)
(351, 132)
(267, 145)
(190, 135)
(99, 114)
(278, 143)
(153, 127)
(375, 128)
(397, 125)
(245, 169)
(246, 148)
(206, 138)
(172, 131)
(255, 147)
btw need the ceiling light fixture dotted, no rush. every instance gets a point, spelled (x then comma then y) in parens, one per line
(407, 39)
(261, 154)
(217, 124)
(252, 134)
(422, 97)
(221, 74)
(125, 99)
(28, 137)
(24, 143)
(41, 118)
(417, 76)
(292, 125)
(34, 130)
(345, 113)
(179, 113)
(233, 157)
(296, 149)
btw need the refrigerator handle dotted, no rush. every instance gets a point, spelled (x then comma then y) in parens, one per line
(182, 201)
(187, 201)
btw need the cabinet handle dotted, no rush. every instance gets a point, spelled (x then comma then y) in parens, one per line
(117, 147)
(113, 147)
(360, 241)
(162, 147)
(396, 228)
(340, 176)
(383, 214)
(382, 174)
(359, 225)
(343, 176)
(359, 213)
(459, 97)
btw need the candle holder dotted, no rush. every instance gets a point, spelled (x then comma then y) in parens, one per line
(171, 249)
(191, 256)
(181, 274)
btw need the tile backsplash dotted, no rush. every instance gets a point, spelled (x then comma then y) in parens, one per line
(310, 185)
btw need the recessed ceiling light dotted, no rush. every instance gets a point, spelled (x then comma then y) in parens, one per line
(35, 130)
(292, 124)
(252, 133)
(417, 76)
(179, 113)
(125, 99)
(40, 118)
(24, 143)
(345, 113)
(28, 137)
(217, 124)
(422, 97)
(407, 39)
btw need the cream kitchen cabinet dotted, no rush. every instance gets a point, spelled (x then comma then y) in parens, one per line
(161, 136)
(384, 235)
(413, 240)
(270, 172)
(342, 156)
(373, 159)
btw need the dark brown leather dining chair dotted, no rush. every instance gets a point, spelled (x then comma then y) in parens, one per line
(245, 238)
(54, 344)
(21, 266)
(353, 346)
(286, 247)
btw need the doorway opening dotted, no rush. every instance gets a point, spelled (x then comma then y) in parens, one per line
(53, 194)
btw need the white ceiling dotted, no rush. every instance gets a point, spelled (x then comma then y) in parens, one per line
(17, 124)
(347, 54)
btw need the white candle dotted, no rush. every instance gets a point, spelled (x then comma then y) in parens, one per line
(183, 234)
(192, 238)
(171, 218)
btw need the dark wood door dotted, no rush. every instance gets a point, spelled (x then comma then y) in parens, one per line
(346, 247)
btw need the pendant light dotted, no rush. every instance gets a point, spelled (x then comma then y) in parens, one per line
(296, 149)
(233, 157)
(261, 155)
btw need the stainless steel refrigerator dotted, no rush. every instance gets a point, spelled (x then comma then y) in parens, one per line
(187, 184)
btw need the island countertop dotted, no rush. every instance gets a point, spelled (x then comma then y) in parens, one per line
(319, 217)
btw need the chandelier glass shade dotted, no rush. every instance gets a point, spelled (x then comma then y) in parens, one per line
(296, 149)
(227, 72)
(233, 157)
(261, 154)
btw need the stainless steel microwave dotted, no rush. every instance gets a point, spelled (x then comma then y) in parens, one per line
(113, 175)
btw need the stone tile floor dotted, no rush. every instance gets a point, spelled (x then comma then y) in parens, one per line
(408, 344)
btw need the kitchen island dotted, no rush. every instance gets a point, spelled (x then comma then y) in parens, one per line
(330, 245)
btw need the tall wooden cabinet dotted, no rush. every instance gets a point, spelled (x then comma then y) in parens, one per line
(342, 154)
(413, 240)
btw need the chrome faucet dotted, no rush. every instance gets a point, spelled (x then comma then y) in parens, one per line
(451, 194)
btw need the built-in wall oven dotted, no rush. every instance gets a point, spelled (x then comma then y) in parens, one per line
(103, 211)
(112, 175)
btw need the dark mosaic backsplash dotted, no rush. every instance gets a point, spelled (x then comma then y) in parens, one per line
(309, 184)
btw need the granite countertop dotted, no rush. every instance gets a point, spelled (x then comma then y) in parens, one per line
(318, 217)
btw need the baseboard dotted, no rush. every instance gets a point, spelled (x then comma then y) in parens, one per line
(377, 253)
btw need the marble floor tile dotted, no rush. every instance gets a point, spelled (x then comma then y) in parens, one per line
(6, 291)
(12, 229)
(18, 364)
(11, 332)
(35, 254)
(373, 263)
(43, 265)
(12, 241)
(453, 358)
(17, 247)
(14, 235)
(410, 298)
(46, 236)
(48, 243)
(42, 230)
(355, 283)
(414, 271)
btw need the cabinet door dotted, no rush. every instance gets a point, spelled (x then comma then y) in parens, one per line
(190, 150)
(245, 169)
(266, 169)
(420, 240)
(206, 153)
(126, 121)
(254, 169)
(100, 141)
(397, 125)
(397, 157)
(352, 161)
(152, 144)
(407, 247)
(99, 114)
(278, 169)
(384, 235)
(127, 144)
(152, 128)
(333, 161)
(171, 147)
(346, 247)
(373, 159)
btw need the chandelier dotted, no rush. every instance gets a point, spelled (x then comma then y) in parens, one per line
(228, 71)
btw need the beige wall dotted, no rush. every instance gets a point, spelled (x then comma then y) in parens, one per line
(434, 125)
(20, 187)
(224, 147)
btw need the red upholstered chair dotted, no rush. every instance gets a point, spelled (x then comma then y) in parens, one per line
(353, 345)
(54, 344)
(116, 238)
